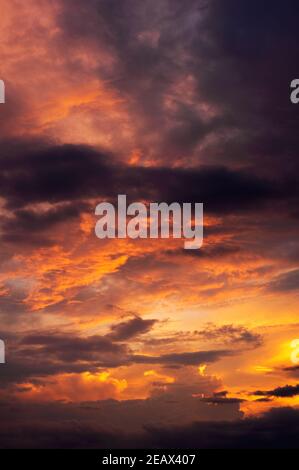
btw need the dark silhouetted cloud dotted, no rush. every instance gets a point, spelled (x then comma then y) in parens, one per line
(130, 328)
(285, 391)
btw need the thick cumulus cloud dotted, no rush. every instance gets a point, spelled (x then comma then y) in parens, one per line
(40, 354)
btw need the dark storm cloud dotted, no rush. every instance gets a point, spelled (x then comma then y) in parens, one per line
(103, 351)
(74, 173)
(286, 391)
(55, 427)
(72, 349)
(44, 354)
(240, 58)
(276, 429)
(247, 54)
(37, 356)
(130, 328)
(53, 174)
(109, 416)
(143, 68)
(35, 369)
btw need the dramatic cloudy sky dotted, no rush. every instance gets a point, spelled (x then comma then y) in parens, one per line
(140, 342)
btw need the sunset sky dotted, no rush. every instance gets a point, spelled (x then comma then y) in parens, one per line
(114, 342)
